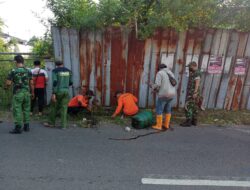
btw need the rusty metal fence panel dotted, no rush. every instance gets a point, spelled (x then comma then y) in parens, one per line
(113, 59)
(66, 48)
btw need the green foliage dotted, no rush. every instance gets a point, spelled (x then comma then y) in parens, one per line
(42, 47)
(1, 24)
(110, 13)
(146, 15)
(4, 47)
(234, 14)
(74, 13)
(5, 96)
(33, 40)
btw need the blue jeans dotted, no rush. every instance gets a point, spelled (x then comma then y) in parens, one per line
(164, 105)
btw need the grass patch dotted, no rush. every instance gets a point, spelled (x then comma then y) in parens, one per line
(222, 117)
(216, 117)
(103, 115)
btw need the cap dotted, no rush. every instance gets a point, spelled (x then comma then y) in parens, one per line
(162, 66)
(193, 63)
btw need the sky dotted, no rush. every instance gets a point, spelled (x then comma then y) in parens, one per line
(19, 17)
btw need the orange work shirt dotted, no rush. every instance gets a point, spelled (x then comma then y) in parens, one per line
(79, 98)
(128, 102)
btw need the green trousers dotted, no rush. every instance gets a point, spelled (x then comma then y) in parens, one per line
(21, 107)
(60, 106)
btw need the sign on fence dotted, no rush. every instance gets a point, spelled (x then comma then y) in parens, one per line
(240, 66)
(215, 65)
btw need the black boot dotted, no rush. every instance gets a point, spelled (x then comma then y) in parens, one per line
(187, 123)
(170, 128)
(194, 121)
(16, 130)
(26, 127)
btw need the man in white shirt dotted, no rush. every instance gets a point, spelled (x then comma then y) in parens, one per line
(40, 77)
(165, 91)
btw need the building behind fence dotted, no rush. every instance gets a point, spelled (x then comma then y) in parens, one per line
(113, 59)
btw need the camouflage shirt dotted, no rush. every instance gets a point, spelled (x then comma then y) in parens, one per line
(191, 83)
(20, 78)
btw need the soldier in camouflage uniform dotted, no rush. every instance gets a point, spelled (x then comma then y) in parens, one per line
(21, 78)
(193, 96)
(62, 79)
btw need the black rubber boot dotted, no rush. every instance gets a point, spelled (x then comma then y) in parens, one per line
(194, 122)
(187, 123)
(170, 128)
(16, 130)
(26, 127)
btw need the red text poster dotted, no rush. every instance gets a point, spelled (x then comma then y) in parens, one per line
(240, 66)
(215, 65)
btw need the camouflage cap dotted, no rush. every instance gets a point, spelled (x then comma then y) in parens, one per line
(192, 64)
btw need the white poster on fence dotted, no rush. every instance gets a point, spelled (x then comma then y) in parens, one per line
(240, 66)
(215, 65)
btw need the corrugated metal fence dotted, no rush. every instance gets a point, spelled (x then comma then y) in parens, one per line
(113, 59)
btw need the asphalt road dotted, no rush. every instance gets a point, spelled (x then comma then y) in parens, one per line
(85, 159)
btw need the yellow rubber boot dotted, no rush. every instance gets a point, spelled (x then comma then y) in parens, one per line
(167, 121)
(158, 125)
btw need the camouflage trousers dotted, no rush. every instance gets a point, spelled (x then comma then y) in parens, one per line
(191, 109)
(21, 107)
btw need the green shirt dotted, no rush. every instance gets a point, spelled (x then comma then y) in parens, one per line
(20, 78)
(62, 79)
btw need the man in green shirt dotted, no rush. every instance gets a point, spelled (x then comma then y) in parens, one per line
(61, 79)
(21, 79)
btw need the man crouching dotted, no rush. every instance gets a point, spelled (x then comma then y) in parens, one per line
(127, 103)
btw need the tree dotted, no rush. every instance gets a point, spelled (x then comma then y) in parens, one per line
(234, 14)
(110, 12)
(42, 47)
(33, 40)
(5, 96)
(146, 15)
(74, 13)
(4, 46)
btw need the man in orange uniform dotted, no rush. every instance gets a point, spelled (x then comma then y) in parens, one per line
(80, 102)
(128, 102)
